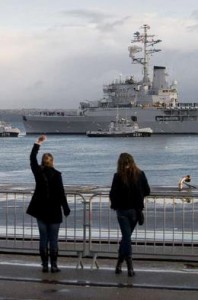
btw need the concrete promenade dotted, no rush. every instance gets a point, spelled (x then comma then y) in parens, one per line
(21, 278)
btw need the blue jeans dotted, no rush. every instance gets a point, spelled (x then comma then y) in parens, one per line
(127, 220)
(48, 235)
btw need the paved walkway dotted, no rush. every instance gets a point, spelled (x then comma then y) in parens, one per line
(21, 278)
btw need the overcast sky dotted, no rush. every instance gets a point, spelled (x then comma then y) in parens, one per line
(56, 53)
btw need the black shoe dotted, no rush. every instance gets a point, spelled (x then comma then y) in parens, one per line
(44, 260)
(55, 269)
(45, 269)
(131, 273)
(118, 269)
(53, 261)
(129, 263)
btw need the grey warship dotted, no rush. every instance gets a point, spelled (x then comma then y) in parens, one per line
(152, 103)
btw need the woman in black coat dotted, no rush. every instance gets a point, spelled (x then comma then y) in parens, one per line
(46, 204)
(129, 187)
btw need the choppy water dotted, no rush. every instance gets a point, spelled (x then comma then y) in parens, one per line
(83, 160)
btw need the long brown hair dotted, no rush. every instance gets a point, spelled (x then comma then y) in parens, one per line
(47, 160)
(127, 168)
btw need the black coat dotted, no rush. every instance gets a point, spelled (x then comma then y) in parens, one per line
(49, 195)
(126, 196)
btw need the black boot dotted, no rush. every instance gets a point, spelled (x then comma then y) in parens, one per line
(53, 260)
(44, 259)
(129, 263)
(118, 268)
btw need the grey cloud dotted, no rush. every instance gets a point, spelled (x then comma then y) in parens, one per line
(36, 85)
(102, 21)
(109, 26)
(92, 16)
(194, 16)
(192, 28)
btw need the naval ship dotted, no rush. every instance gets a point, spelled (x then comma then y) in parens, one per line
(152, 103)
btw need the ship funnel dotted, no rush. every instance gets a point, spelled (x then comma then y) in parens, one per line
(159, 78)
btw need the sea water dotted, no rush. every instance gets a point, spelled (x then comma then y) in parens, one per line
(93, 161)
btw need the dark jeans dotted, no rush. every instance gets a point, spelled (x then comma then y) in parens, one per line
(127, 220)
(48, 235)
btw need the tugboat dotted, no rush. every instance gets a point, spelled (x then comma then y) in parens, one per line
(122, 128)
(6, 130)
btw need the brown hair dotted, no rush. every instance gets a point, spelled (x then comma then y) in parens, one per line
(47, 160)
(127, 168)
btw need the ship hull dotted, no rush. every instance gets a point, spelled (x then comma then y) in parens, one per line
(8, 134)
(107, 134)
(99, 119)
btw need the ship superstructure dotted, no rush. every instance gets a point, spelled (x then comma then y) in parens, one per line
(153, 103)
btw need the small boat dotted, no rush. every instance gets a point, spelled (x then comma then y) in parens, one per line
(122, 128)
(6, 130)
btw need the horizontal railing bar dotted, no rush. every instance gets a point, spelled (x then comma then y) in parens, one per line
(94, 190)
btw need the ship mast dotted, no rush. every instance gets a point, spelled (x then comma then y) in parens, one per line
(148, 41)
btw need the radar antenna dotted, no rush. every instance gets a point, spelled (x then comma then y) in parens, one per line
(148, 41)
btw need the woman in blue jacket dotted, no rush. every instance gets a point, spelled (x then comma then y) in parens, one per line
(46, 204)
(129, 187)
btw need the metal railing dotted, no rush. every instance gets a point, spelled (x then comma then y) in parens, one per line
(170, 227)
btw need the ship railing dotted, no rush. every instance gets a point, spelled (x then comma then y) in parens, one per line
(170, 228)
